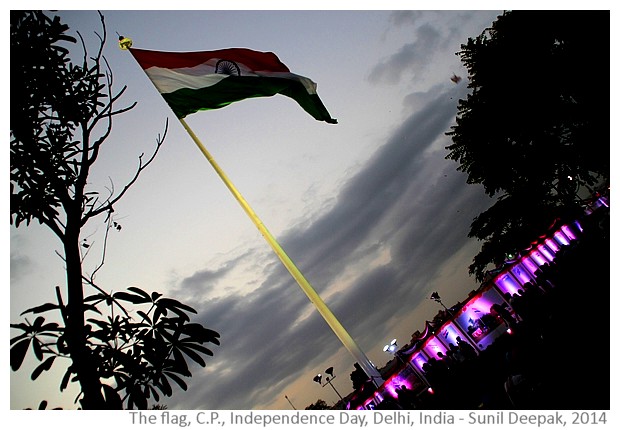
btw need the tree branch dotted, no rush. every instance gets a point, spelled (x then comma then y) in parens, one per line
(108, 205)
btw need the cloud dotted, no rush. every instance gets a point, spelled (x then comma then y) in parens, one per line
(405, 17)
(20, 265)
(405, 201)
(412, 58)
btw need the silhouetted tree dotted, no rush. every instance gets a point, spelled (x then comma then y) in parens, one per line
(535, 127)
(320, 404)
(358, 377)
(61, 114)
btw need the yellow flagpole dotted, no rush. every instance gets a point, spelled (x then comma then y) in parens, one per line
(320, 305)
(125, 43)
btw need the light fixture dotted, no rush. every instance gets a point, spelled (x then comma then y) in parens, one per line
(435, 297)
(391, 347)
(328, 380)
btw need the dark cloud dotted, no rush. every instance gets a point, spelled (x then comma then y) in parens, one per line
(202, 282)
(395, 174)
(412, 58)
(405, 17)
(408, 198)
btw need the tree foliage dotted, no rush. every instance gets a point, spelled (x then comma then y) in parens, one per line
(61, 114)
(139, 354)
(320, 404)
(534, 129)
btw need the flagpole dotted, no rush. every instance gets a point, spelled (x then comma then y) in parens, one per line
(306, 287)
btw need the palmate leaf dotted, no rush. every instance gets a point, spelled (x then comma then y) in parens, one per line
(65, 379)
(199, 333)
(140, 292)
(175, 306)
(180, 382)
(46, 365)
(132, 298)
(18, 352)
(195, 346)
(187, 350)
(40, 309)
(36, 347)
(164, 385)
(179, 364)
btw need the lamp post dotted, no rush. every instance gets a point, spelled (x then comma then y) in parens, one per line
(328, 380)
(435, 297)
(291, 403)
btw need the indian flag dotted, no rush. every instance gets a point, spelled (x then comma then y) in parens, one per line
(193, 81)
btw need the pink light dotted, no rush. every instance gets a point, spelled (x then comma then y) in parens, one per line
(394, 383)
(430, 390)
(508, 284)
(569, 232)
(549, 255)
(509, 331)
(448, 334)
(529, 264)
(552, 245)
(477, 320)
(561, 238)
(538, 258)
(419, 360)
(433, 346)
(521, 273)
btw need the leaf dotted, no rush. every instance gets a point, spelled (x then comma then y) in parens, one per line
(46, 365)
(36, 347)
(193, 355)
(178, 380)
(145, 316)
(132, 298)
(175, 305)
(159, 311)
(18, 352)
(95, 297)
(154, 392)
(180, 365)
(38, 322)
(65, 380)
(19, 337)
(40, 309)
(164, 386)
(197, 347)
(140, 292)
(49, 327)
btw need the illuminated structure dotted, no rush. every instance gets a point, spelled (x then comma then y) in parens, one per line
(480, 320)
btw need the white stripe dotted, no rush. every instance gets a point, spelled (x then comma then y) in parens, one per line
(170, 80)
(202, 76)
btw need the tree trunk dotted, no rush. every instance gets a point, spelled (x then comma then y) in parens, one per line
(75, 329)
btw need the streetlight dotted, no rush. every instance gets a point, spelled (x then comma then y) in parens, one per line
(435, 297)
(391, 347)
(328, 380)
(291, 403)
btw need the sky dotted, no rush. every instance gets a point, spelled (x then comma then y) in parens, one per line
(369, 209)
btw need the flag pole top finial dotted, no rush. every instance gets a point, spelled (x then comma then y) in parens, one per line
(124, 42)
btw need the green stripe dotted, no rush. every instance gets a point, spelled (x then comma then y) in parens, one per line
(235, 88)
